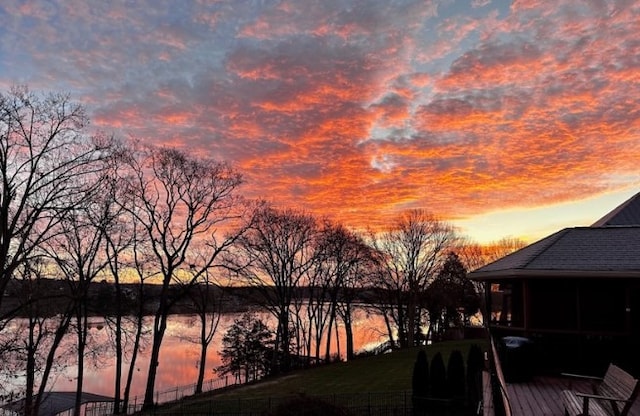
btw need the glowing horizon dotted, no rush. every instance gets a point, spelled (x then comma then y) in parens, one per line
(508, 119)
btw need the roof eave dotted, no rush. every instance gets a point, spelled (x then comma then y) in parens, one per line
(521, 273)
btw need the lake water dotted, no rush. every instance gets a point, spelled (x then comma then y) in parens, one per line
(179, 357)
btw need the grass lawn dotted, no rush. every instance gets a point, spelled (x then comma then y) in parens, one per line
(382, 373)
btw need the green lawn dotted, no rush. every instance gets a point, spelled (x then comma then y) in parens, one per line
(382, 373)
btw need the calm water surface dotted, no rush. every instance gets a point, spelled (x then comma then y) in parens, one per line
(179, 356)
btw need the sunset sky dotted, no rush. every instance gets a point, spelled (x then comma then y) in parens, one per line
(505, 118)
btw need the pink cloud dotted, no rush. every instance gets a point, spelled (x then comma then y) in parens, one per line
(357, 110)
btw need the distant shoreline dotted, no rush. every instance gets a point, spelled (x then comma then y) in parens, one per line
(55, 295)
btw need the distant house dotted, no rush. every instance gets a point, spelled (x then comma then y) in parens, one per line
(575, 293)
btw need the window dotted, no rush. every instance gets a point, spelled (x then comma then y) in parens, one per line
(553, 304)
(507, 304)
(602, 306)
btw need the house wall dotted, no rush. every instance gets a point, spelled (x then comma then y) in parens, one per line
(577, 325)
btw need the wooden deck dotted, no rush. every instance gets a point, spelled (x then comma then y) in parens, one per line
(541, 397)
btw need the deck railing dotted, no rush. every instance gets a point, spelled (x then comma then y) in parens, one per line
(502, 404)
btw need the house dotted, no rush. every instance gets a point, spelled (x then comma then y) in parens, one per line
(575, 294)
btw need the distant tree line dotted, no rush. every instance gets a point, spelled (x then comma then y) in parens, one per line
(83, 208)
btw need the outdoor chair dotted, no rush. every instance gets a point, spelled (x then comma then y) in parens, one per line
(611, 395)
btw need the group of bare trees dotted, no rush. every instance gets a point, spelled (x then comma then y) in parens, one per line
(306, 271)
(82, 208)
(85, 208)
(49, 204)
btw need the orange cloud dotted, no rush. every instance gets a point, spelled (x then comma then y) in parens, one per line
(358, 111)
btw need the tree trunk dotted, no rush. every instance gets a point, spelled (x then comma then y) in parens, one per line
(387, 323)
(119, 353)
(432, 324)
(31, 370)
(159, 327)
(349, 335)
(274, 354)
(337, 340)
(60, 332)
(348, 329)
(285, 365)
(332, 319)
(402, 333)
(411, 319)
(203, 351)
(317, 346)
(81, 319)
(136, 347)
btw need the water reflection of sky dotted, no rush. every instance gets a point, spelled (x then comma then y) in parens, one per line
(179, 356)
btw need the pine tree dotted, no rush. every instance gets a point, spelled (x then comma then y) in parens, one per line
(438, 377)
(455, 375)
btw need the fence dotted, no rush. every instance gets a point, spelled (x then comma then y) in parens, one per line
(171, 395)
(354, 404)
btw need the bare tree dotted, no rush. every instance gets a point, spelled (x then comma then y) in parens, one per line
(181, 202)
(45, 162)
(313, 317)
(339, 253)
(412, 252)
(474, 255)
(120, 243)
(46, 316)
(77, 250)
(117, 240)
(206, 298)
(43, 156)
(388, 295)
(274, 255)
(143, 268)
(361, 266)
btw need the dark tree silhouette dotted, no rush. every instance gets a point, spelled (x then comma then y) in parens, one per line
(308, 406)
(274, 256)
(411, 253)
(420, 383)
(420, 378)
(475, 365)
(341, 256)
(455, 375)
(448, 295)
(44, 156)
(181, 202)
(247, 346)
(77, 255)
(47, 169)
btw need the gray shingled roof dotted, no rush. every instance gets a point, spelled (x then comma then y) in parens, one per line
(610, 247)
(57, 402)
(602, 250)
(628, 213)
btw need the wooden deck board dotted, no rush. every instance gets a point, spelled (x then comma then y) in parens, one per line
(487, 400)
(541, 397)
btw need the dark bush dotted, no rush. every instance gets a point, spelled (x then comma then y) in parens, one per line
(475, 365)
(438, 377)
(308, 406)
(455, 374)
(420, 384)
(420, 378)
